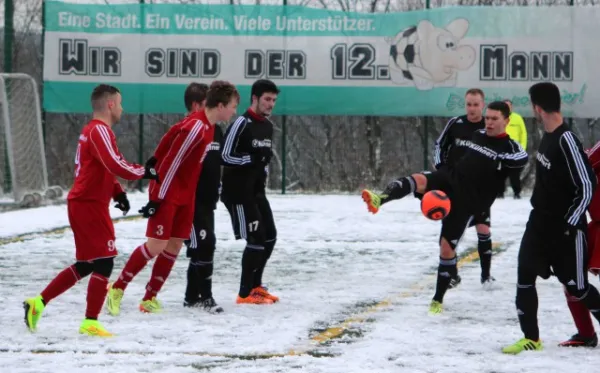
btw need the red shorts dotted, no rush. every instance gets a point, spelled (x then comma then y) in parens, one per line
(93, 230)
(171, 221)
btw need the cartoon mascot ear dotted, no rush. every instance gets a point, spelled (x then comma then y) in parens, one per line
(424, 29)
(458, 28)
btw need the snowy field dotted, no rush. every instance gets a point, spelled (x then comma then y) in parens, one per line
(332, 262)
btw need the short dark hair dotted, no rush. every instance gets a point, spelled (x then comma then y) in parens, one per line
(262, 86)
(195, 92)
(101, 92)
(221, 92)
(501, 106)
(545, 95)
(475, 91)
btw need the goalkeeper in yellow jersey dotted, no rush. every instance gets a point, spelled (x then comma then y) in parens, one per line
(518, 132)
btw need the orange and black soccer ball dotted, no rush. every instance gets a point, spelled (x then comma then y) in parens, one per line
(435, 205)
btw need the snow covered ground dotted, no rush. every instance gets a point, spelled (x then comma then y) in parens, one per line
(332, 260)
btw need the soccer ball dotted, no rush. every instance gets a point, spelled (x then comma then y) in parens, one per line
(404, 53)
(435, 205)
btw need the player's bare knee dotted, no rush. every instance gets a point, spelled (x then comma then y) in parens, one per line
(482, 229)
(447, 250)
(155, 246)
(104, 266)
(420, 182)
(83, 268)
(174, 246)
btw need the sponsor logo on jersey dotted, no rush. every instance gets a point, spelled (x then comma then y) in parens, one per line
(543, 160)
(478, 148)
(266, 143)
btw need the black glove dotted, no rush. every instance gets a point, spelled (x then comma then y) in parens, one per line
(122, 202)
(150, 209)
(151, 172)
(263, 156)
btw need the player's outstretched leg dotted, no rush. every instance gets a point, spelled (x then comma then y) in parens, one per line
(97, 290)
(137, 261)
(397, 189)
(65, 280)
(586, 335)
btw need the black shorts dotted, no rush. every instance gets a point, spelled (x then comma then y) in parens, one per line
(552, 246)
(202, 236)
(253, 221)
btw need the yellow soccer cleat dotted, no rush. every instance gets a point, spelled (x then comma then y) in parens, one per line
(523, 344)
(372, 200)
(113, 300)
(151, 306)
(435, 308)
(93, 328)
(33, 312)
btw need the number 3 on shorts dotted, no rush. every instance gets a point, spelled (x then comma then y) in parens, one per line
(159, 230)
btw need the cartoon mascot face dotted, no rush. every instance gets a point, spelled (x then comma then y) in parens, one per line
(427, 56)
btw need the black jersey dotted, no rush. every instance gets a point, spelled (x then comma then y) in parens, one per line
(448, 147)
(207, 191)
(564, 178)
(246, 153)
(474, 177)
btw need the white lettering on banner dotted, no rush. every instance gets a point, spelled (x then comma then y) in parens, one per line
(184, 22)
(111, 21)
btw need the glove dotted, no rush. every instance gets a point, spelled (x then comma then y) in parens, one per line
(263, 156)
(150, 170)
(122, 202)
(150, 209)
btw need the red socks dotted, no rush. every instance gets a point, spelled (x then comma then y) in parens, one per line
(138, 260)
(581, 316)
(97, 290)
(160, 272)
(65, 280)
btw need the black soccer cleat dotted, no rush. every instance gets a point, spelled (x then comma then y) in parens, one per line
(579, 341)
(208, 304)
(454, 282)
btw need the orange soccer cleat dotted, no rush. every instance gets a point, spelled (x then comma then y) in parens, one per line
(263, 292)
(253, 298)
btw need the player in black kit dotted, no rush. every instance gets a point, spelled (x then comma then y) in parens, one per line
(246, 155)
(202, 242)
(449, 149)
(554, 241)
(470, 185)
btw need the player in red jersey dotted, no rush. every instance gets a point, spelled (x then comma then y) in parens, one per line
(586, 334)
(97, 163)
(178, 159)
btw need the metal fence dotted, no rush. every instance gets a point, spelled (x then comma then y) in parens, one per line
(312, 153)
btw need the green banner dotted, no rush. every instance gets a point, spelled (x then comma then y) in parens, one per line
(326, 62)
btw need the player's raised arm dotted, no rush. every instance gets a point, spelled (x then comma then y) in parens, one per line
(582, 176)
(516, 158)
(181, 146)
(442, 144)
(231, 156)
(105, 150)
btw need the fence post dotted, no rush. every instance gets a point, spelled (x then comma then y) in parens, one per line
(42, 82)
(283, 141)
(141, 115)
(9, 34)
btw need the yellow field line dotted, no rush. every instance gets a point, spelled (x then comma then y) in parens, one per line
(338, 329)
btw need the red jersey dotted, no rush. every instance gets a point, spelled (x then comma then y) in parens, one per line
(179, 157)
(594, 158)
(98, 162)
